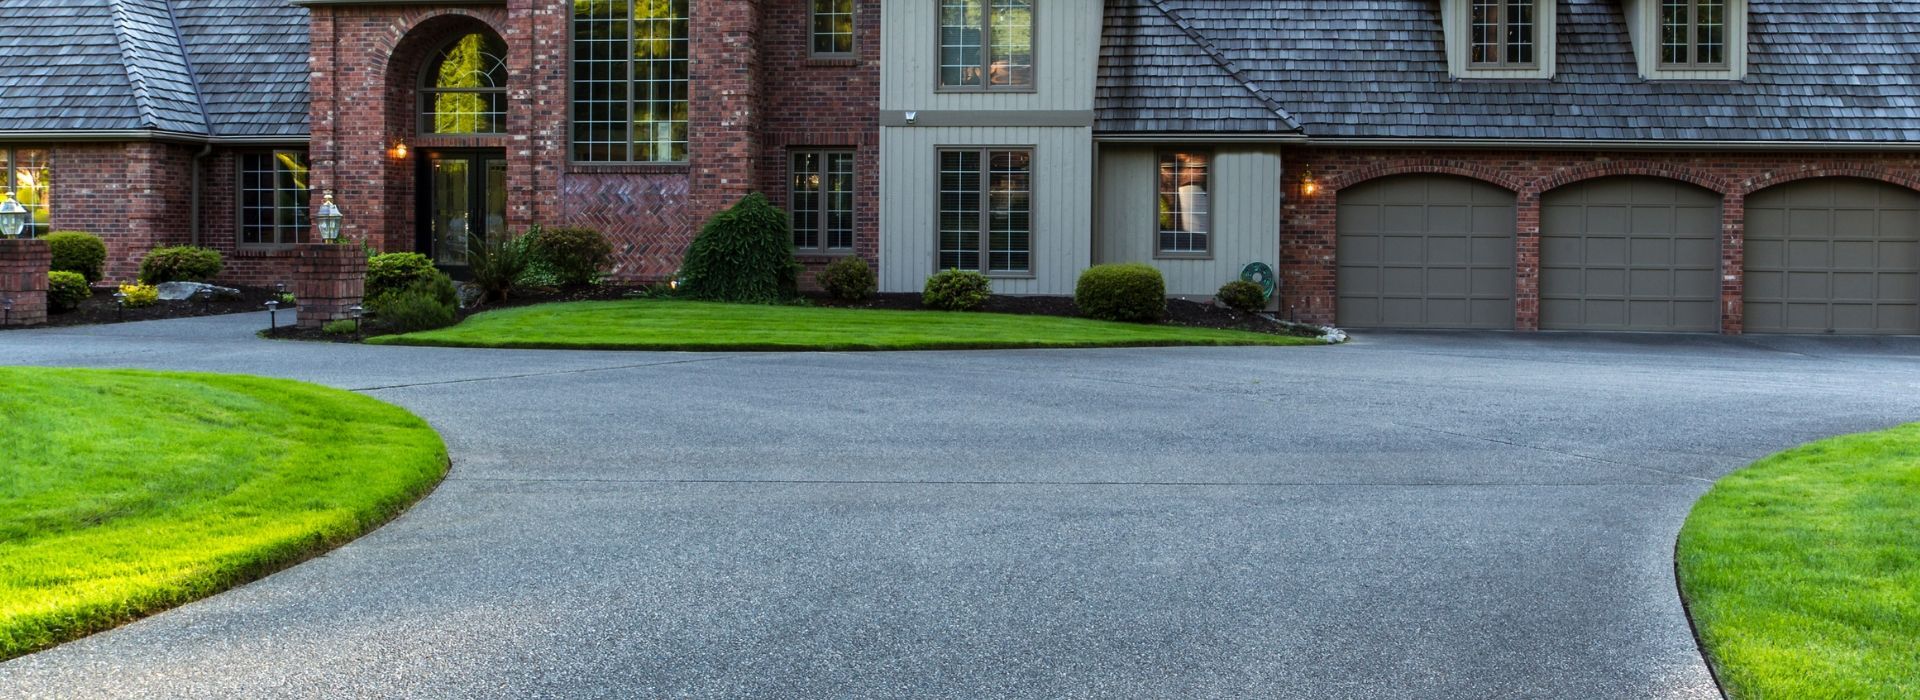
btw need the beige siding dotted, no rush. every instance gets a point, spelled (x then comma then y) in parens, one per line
(1062, 203)
(1246, 215)
(1066, 48)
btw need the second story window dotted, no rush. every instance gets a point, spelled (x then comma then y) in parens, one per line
(986, 44)
(832, 29)
(1693, 33)
(1501, 33)
(630, 64)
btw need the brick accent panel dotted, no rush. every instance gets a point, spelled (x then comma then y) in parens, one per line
(329, 279)
(23, 280)
(1309, 243)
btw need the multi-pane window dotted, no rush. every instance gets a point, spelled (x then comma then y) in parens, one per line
(630, 62)
(464, 88)
(832, 28)
(24, 172)
(986, 44)
(821, 198)
(1501, 33)
(1693, 33)
(986, 210)
(1186, 217)
(273, 198)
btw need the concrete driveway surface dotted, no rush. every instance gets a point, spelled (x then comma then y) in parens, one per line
(1408, 516)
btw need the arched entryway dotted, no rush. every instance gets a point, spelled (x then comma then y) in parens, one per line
(461, 179)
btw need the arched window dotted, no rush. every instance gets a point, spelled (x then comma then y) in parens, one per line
(464, 90)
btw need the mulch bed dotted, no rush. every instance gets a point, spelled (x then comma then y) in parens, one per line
(100, 308)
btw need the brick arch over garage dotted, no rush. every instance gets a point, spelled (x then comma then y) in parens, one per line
(1424, 166)
(1909, 180)
(1631, 168)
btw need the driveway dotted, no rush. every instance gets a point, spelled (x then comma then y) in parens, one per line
(1417, 515)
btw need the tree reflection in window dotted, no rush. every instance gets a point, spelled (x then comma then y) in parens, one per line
(466, 87)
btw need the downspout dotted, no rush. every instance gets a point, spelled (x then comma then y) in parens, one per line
(193, 191)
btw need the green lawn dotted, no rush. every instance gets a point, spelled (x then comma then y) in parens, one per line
(686, 325)
(1803, 571)
(123, 493)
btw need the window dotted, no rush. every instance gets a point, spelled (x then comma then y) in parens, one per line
(821, 199)
(273, 198)
(1501, 33)
(1693, 33)
(986, 210)
(1186, 216)
(832, 28)
(464, 88)
(986, 44)
(24, 172)
(630, 61)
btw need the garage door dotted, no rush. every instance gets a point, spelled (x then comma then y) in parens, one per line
(1833, 255)
(1630, 254)
(1425, 251)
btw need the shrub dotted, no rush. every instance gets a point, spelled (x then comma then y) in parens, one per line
(957, 290)
(1242, 296)
(288, 300)
(139, 295)
(345, 326)
(1126, 292)
(65, 290)
(78, 251)
(423, 305)
(180, 264)
(848, 278)
(743, 254)
(573, 255)
(497, 264)
(388, 272)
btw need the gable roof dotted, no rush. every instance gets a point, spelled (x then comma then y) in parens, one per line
(1363, 69)
(206, 68)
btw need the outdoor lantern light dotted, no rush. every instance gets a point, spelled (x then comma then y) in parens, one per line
(273, 315)
(357, 313)
(13, 217)
(119, 306)
(400, 150)
(329, 218)
(1308, 185)
(6, 305)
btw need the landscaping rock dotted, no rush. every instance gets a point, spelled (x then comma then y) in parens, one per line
(182, 291)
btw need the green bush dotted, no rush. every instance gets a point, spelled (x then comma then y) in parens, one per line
(1242, 296)
(65, 290)
(957, 290)
(345, 326)
(496, 264)
(78, 251)
(744, 255)
(573, 255)
(387, 272)
(180, 264)
(1126, 292)
(139, 296)
(848, 278)
(421, 306)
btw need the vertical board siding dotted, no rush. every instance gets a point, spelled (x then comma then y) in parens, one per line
(1066, 59)
(1062, 203)
(1245, 197)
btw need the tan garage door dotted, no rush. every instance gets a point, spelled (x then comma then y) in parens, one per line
(1834, 255)
(1630, 254)
(1425, 251)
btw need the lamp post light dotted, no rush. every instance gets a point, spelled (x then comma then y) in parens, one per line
(13, 217)
(329, 218)
(273, 315)
(119, 306)
(6, 307)
(357, 312)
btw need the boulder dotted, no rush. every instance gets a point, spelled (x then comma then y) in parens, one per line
(182, 291)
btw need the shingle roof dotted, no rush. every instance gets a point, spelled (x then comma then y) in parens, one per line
(200, 67)
(1817, 71)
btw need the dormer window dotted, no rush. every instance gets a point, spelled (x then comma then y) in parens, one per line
(1693, 34)
(1502, 34)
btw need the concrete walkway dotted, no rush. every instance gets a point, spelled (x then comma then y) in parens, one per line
(1420, 515)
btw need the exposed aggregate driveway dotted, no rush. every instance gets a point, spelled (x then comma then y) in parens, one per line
(1408, 516)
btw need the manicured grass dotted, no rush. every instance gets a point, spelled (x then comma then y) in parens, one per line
(123, 493)
(1802, 572)
(685, 325)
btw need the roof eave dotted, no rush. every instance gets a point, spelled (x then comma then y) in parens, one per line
(106, 135)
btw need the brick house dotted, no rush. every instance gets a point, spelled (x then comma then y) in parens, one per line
(1674, 165)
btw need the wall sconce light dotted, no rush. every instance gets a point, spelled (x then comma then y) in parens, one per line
(400, 150)
(1308, 185)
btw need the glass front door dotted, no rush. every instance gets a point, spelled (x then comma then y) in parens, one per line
(463, 201)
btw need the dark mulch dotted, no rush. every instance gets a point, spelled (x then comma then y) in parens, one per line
(1180, 312)
(100, 308)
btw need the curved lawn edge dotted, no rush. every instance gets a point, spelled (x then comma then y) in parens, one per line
(1801, 573)
(685, 326)
(99, 529)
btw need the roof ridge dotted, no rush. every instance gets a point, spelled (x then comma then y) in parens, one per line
(1226, 64)
(186, 59)
(122, 35)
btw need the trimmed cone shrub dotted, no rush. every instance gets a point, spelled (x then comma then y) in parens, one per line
(180, 264)
(65, 290)
(848, 278)
(575, 256)
(388, 272)
(424, 305)
(78, 251)
(1242, 296)
(744, 255)
(1131, 292)
(956, 290)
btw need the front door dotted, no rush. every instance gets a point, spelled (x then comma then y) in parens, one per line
(463, 200)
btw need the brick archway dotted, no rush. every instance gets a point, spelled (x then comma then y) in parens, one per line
(1620, 168)
(1424, 166)
(1769, 180)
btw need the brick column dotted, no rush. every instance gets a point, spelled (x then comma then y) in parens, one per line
(1526, 261)
(23, 278)
(329, 279)
(1733, 264)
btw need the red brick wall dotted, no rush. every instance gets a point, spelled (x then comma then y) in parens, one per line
(1309, 241)
(135, 196)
